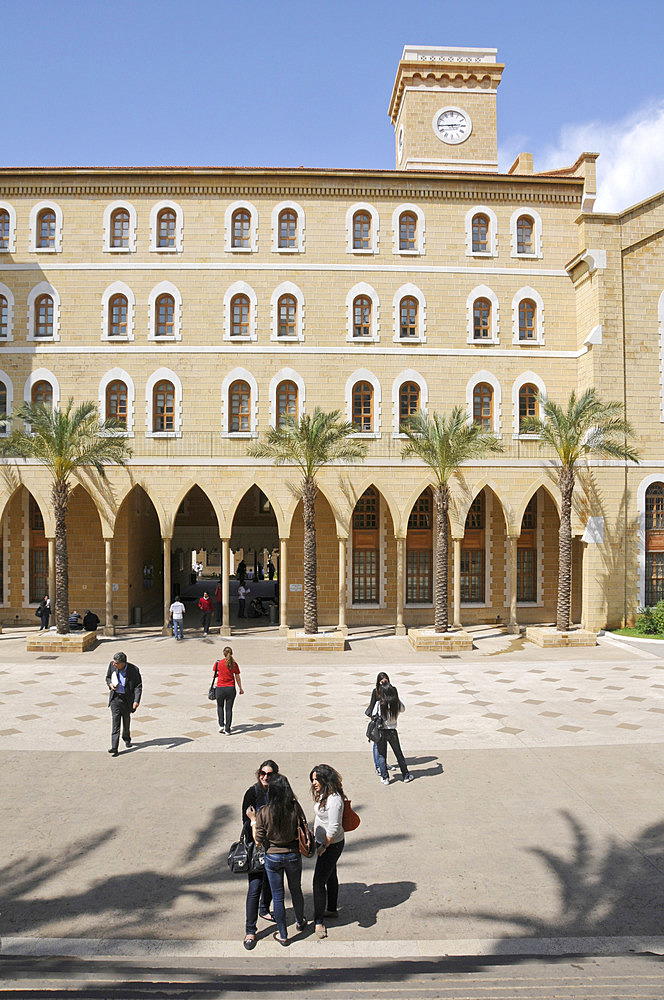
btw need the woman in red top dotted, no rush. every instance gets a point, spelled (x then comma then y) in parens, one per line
(225, 673)
(205, 607)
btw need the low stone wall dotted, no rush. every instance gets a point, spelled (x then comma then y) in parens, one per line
(547, 635)
(52, 642)
(322, 642)
(426, 640)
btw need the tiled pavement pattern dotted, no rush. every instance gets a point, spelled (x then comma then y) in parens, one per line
(506, 694)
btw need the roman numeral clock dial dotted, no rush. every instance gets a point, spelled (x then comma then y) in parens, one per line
(452, 125)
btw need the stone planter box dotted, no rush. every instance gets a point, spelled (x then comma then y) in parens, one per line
(51, 642)
(426, 640)
(322, 642)
(548, 636)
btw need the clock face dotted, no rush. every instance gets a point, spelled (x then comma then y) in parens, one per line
(400, 143)
(452, 125)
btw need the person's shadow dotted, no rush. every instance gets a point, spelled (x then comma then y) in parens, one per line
(361, 903)
(163, 741)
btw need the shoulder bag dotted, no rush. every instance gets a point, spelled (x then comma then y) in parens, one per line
(305, 837)
(375, 728)
(238, 857)
(211, 693)
(349, 819)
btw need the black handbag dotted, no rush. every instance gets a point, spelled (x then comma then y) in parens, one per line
(375, 728)
(257, 859)
(211, 693)
(238, 858)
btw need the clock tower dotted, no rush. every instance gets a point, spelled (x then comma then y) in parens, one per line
(443, 109)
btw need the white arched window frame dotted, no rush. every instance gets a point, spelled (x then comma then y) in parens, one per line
(8, 294)
(163, 375)
(117, 288)
(114, 375)
(657, 477)
(43, 288)
(483, 292)
(408, 375)
(5, 428)
(108, 213)
(239, 375)
(363, 206)
(286, 375)
(240, 288)
(493, 231)
(11, 212)
(528, 293)
(165, 288)
(286, 288)
(537, 233)
(660, 317)
(421, 230)
(42, 375)
(300, 233)
(527, 378)
(253, 227)
(364, 375)
(410, 291)
(154, 228)
(486, 376)
(34, 214)
(362, 288)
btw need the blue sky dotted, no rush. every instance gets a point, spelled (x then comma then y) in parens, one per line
(287, 82)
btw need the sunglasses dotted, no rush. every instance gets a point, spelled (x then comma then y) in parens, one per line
(266, 774)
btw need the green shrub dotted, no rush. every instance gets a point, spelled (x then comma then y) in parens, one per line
(658, 614)
(646, 622)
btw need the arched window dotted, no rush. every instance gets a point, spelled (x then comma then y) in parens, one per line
(480, 233)
(44, 317)
(654, 544)
(481, 319)
(408, 231)
(4, 317)
(241, 228)
(239, 407)
(527, 320)
(524, 235)
(408, 317)
(46, 225)
(163, 408)
(286, 401)
(116, 402)
(362, 316)
(120, 228)
(362, 231)
(528, 404)
(409, 400)
(365, 548)
(483, 405)
(363, 407)
(473, 553)
(3, 406)
(526, 554)
(42, 393)
(118, 311)
(164, 315)
(240, 309)
(287, 309)
(166, 228)
(5, 229)
(419, 551)
(287, 229)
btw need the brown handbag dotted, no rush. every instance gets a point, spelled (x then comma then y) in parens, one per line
(349, 819)
(305, 837)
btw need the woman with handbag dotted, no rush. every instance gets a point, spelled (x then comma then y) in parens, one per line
(328, 796)
(225, 674)
(259, 894)
(275, 826)
(389, 706)
(381, 679)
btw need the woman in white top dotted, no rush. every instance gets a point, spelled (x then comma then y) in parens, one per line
(390, 707)
(328, 795)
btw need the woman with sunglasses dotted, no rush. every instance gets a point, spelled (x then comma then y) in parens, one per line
(259, 895)
(328, 796)
(381, 680)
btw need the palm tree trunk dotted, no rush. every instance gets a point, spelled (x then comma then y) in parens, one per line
(309, 491)
(442, 501)
(566, 484)
(60, 497)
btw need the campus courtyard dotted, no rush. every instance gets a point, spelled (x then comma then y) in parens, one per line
(532, 838)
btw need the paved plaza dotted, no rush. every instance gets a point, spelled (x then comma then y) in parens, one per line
(535, 825)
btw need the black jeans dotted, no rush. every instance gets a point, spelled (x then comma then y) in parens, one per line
(390, 736)
(259, 898)
(121, 714)
(225, 699)
(205, 620)
(326, 883)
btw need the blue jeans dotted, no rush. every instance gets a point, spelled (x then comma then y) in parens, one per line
(390, 736)
(275, 866)
(177, 628)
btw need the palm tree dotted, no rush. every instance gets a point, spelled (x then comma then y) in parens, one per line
(587, 425)
(444, 442)
(310, 443)
(64, 441)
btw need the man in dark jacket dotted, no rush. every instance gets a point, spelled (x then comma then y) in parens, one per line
(125, 685)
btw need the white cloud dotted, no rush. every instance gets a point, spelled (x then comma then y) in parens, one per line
(631, 163)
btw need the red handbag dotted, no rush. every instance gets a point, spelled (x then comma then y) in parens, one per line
(349, 819)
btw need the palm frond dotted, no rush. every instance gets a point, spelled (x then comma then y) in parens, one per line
(445, 441)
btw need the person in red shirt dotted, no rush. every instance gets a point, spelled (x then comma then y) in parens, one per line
(218, 598)
(226, 672)
(206, 607)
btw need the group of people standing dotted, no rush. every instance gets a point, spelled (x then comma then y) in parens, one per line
(271, 816)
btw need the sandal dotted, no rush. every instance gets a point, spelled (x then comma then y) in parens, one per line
(283, 942)
(321, 932)
(267, 916)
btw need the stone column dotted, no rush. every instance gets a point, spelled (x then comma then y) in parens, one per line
(109, 627)
(51, 577)
(166, 544)
(513, 627)
(225, 586)
(283, 589)
(342, 587)
(457, 582)
(401, 584)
